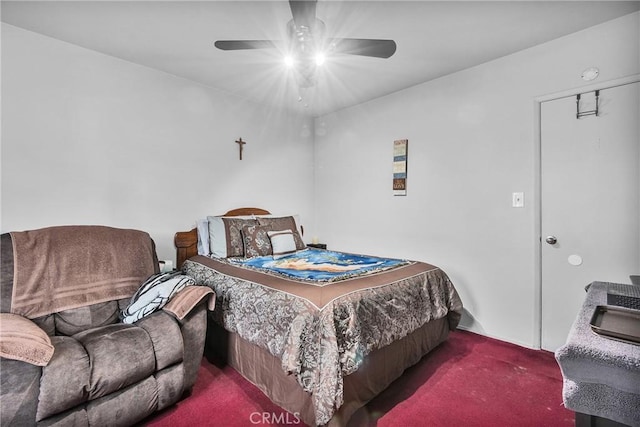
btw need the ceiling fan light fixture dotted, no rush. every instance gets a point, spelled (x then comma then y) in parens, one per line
(307, 47)
(289, 61)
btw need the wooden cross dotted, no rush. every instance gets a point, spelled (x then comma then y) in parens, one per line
(240, 143)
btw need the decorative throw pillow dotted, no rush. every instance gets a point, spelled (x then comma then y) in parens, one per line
(282, 242)
(154, 294)
(225, 235)
(21, 339)
(283, 223)
(256, 241)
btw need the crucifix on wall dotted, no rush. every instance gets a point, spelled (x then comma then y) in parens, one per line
(240, 143)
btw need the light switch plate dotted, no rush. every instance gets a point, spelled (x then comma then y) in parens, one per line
(518, 200)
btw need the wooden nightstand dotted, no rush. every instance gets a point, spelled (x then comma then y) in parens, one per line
(317, 245)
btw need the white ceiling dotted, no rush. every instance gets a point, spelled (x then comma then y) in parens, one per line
(433, 39)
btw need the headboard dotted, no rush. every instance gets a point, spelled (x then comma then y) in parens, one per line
(187, 241)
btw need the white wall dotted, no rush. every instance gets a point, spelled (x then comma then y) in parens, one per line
(87, 138)
(471, 144)
(91, 139)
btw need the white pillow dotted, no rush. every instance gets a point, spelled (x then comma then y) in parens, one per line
(217, 237)
(296, 219)
(282, 242)
(202, 225)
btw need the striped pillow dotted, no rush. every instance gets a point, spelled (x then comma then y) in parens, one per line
(282, 242)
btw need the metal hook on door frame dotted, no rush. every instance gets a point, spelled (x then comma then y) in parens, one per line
(580, 114)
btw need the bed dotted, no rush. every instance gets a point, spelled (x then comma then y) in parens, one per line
(320, 332)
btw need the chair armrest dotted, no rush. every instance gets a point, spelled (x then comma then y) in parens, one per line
(21, 339)
(184, 301)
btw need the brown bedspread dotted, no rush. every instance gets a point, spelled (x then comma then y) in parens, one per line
(323, 333)
(60, 268)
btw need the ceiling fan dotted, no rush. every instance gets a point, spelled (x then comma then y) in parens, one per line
(307, 47)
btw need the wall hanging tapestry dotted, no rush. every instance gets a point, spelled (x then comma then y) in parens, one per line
(400, 167)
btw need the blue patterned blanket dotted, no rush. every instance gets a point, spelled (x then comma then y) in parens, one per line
(319, 265)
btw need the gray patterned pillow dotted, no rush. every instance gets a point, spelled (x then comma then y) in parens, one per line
(233, 230)
(256, 241)
(283, 223)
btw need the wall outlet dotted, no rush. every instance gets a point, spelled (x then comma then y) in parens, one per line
(517, 200)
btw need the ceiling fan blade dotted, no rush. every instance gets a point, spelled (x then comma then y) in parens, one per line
(304, 12)
(364, 47)
(244, 44)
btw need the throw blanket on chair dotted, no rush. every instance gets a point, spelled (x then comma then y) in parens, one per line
(154, 294)
(59, 268)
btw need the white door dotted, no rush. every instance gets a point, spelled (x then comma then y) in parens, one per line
(590, 201)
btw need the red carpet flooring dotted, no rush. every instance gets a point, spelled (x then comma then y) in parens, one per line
(470, 380)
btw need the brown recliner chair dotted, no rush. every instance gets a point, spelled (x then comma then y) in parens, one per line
(67, 359)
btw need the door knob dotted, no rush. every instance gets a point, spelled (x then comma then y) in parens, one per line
(551, 240)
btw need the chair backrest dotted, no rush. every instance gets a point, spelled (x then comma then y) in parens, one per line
(80, 277)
